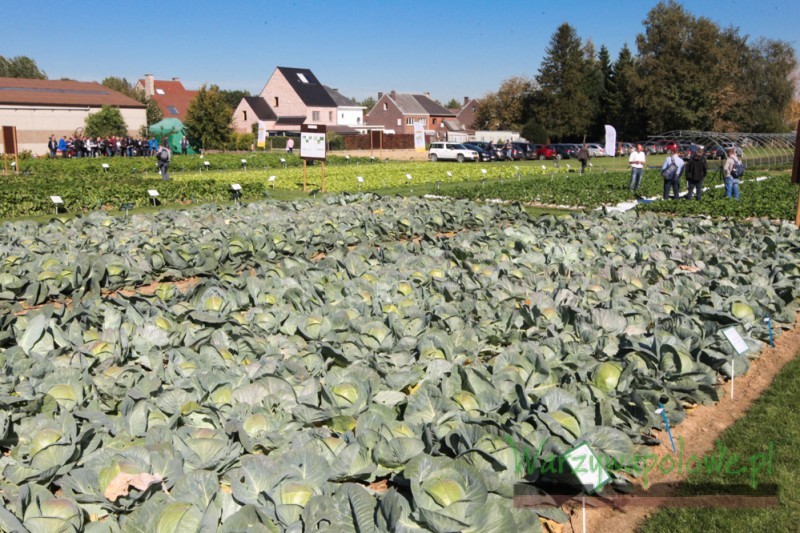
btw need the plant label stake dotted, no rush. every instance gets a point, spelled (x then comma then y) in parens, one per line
(663, 413)
(408, 177)
(56, 202)
(360, 180)
(739, 345)
(237, 192)
(206, 164)
(244, 164)
(153, 195)
(105, 167)
(127, 206)
(769, 326)
(271, 181)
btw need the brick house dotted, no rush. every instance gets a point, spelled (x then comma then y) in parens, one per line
(294, 96)
(171, 96)
(466, 115)
(398, 112)
(40, 108)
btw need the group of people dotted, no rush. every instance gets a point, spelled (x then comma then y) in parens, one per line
(78, 146)
(695, 168)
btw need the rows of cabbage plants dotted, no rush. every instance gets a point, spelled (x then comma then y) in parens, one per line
(359, 364)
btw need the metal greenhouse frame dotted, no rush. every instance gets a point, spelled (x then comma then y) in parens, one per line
(757, 150)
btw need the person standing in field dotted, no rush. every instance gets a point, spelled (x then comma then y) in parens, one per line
(52, 145)
(184, 145)
(672, 179)
(163, 156)
(696, 170)
(732, 171)
(583, 157)
(289, 145)
(637, 161)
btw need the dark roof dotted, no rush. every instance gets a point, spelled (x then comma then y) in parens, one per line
(260, 107)
(290, 120)
(339, 99)
(22, 91)
(307, 87)
(431, 107)
(341, 129)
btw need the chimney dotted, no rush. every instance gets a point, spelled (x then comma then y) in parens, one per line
(380, 95)
(427, 95)
(393, 94)
(149, 85)
(466, 100)
(176, 79)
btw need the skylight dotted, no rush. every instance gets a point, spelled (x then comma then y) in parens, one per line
(302, 77)
(172, 109)
(159, 91)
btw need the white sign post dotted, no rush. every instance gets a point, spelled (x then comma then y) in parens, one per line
(739, 345)
(56, 202)
(153, 195)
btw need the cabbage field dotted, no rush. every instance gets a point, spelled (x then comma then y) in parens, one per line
(357, 363)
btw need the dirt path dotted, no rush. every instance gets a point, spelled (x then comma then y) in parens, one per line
(702, 426)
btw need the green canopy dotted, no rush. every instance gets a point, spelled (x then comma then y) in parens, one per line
(167, 126)
(172, 129)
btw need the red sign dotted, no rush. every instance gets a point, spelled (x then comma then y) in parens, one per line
(10, 140)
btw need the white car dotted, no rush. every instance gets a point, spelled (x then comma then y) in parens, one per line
(595, 150)
(453, 151)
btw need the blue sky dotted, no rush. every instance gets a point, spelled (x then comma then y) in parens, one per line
(449, 48)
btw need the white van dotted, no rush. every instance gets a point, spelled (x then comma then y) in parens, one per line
(452, 151)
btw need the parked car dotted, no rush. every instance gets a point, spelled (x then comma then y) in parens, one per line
(483, 154)
(545, 152)
(625, 149)
(595, 150)
(526, 149)
(452, 151)
(565, 151)
(737, 149)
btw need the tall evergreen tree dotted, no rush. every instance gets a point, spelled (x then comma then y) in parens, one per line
(563, 106)
(622, 112)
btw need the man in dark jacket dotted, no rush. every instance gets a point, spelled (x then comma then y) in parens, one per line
(583, 156)
(696, 170)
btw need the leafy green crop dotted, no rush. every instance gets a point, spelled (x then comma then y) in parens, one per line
(358, 363)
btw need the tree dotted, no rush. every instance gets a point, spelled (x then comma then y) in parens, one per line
(368, 102)
(453, 104)
(122, 85)
(20, 67)
(534, 132)
(621, 110)
(563, 105)
(233, 97)
(508, 108)
(105, 123)
(209, 119)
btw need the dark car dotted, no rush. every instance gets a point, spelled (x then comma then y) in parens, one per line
(715, 151)
(526, 149)
(483, 153)
(565, 151)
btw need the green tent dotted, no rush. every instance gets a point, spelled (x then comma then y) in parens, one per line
(172, 129)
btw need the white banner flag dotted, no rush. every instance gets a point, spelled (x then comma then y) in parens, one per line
(611, 141)
(419, 137)
(262, 134)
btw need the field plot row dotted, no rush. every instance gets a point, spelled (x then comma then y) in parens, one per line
(372, 375)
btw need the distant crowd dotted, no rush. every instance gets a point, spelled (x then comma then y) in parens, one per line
(78, 146)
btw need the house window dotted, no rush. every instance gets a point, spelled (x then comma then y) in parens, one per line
(160, 91)
(245, 115)
(474, 109)
(302, 77)
(172, 109)
(385, 106)
(315, 116)
(330, 116)
(433, 121)
(409, 121)
(399, 122)
(276, 102)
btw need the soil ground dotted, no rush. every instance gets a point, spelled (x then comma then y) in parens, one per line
(702, 426)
